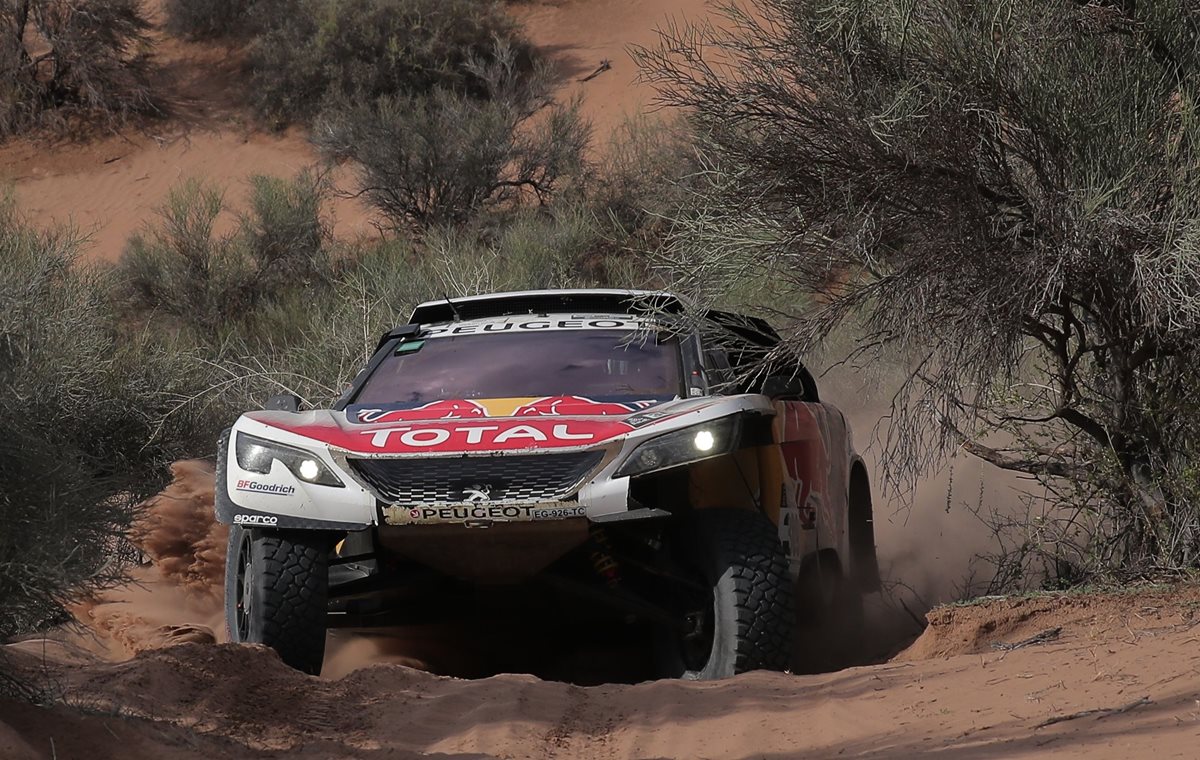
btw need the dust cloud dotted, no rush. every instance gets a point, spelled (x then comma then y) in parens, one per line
(175, 595)
(929, 540)
(177, 531)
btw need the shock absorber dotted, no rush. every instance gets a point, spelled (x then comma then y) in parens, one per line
(603, 562)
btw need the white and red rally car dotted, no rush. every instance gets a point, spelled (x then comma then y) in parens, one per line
(576, 442)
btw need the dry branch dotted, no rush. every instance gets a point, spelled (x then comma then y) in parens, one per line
(1007, 203)
(1043, 637)
(1100, 713)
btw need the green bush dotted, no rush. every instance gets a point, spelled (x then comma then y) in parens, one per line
(645, 173)
(1005, 195)
(309, 341)
(312, 50)
(284, 233)
(208, 282)
(86, 428)
(439, 158)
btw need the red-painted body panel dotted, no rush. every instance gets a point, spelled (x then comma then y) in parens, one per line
(814, 442)
(467, 436)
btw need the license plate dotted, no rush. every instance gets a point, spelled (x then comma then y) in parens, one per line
(440, 514)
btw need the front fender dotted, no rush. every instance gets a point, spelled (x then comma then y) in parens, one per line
(230, 513)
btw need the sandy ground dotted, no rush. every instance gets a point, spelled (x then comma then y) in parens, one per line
(112, 186)
(145, 675)
(1119, 681)
(581, 35)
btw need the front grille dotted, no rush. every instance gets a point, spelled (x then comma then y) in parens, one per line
(526, 477)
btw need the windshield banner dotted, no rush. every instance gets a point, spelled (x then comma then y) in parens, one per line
(546, 406)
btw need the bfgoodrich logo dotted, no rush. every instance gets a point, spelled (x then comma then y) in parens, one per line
(253, 486)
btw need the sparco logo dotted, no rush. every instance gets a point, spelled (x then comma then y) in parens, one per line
(255, 520)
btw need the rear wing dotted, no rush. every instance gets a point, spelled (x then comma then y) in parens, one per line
(597, 301)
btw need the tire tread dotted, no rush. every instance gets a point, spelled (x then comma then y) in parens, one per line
(749, 544)
(294, 600)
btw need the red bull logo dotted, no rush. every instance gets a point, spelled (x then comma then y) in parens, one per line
(806, 460)
(457, 409)
(434, 410)
(573, 405)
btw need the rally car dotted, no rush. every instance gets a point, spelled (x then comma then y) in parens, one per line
(607, 447)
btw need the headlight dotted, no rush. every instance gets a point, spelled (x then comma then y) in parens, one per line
(691, 444)
(256, 455)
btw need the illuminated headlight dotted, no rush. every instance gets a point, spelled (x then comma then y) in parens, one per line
(256, 455)
(691, 444)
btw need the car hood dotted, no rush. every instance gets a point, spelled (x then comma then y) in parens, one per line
(477, 426)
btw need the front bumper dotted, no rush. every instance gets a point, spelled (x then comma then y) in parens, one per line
(473, 488)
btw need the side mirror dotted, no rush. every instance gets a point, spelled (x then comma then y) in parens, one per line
(782, 386)
(287, 402)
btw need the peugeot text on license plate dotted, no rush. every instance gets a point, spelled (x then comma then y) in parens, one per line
(434, 514)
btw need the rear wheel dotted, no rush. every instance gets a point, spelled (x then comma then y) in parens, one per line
(830, 608)
(276, 590)
(745, 619)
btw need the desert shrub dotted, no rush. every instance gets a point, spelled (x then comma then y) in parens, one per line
(85, 429)
(439, 158)
(1004, 193)
(644, 173)
(206, 19)
(184, 270)
(310, 342)
(284, 231)
(360, 50)
(548, 248)
(68, 60)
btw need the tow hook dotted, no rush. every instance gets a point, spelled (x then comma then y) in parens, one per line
(479, 523)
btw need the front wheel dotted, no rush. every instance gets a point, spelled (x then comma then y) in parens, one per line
(276, 592)
(746, 618)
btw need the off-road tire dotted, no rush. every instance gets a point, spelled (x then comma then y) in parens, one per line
(288, 589)
(738, 554)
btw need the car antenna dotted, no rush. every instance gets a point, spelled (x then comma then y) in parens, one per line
(453, 307)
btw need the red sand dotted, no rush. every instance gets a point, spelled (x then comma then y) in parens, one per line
(145, 679)
(1133, 651)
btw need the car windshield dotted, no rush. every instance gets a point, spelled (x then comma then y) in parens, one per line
(544, 363)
